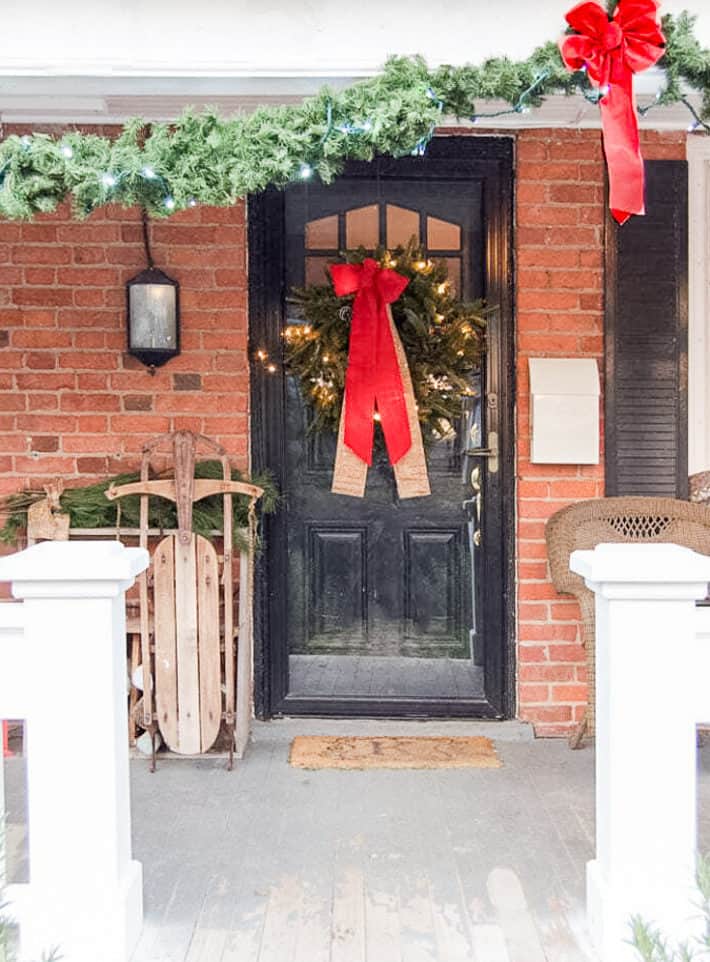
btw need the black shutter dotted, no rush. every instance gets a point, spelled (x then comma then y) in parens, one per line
(646, 342)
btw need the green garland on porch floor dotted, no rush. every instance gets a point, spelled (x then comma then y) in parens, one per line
(88, 507)
(202, 159)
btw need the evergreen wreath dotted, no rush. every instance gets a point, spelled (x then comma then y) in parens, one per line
(203, 159)
(443, 339)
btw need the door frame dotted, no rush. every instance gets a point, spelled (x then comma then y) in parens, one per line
(491, 157)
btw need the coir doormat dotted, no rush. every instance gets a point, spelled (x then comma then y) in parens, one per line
(325, 751)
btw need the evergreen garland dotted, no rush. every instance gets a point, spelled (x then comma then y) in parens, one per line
(443, 340)
(88, 506)
(202, 159)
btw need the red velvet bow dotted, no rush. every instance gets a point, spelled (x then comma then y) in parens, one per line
(373, 379)
(612, 51)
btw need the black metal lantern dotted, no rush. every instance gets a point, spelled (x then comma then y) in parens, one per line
(153, 313)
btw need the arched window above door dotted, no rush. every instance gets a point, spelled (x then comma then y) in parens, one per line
(389, 225)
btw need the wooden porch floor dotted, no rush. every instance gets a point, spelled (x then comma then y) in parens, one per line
(273, 864)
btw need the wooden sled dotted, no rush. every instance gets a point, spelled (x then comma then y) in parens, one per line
(187, 635)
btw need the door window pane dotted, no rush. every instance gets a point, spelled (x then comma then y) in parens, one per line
(322, 233)
(402, 224)
(442, 235)
(317, 270)
(362, 227)
(453, 267)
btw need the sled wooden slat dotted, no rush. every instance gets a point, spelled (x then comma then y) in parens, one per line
(210, 694)
(245, 657)
(188, 687)
(166, 696)
(203, 488)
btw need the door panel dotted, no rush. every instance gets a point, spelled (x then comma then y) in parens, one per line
(335, 572)
(433, 589)
(376, 605)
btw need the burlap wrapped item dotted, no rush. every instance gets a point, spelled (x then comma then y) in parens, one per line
(410, 472)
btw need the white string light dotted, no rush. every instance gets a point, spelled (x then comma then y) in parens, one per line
(353, 128)
(520, 106)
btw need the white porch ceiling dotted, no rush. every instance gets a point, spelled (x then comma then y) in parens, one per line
(112, 99)
(101, 61)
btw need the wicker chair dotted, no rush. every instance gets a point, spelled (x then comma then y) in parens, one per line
(589, 523)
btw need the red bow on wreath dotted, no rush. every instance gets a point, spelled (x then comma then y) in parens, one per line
(377, 384)
(612, 51)
(373, 377)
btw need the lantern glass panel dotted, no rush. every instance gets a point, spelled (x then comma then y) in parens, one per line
(153, 317)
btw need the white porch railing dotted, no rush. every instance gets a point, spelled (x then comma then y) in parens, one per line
(652, 689)
(63, 664)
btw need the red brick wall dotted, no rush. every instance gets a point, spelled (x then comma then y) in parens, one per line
(73, 403)
(559, 255)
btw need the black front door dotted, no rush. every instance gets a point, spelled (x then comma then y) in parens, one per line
(379, 606)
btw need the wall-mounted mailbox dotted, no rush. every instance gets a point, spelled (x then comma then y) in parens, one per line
(564, 410)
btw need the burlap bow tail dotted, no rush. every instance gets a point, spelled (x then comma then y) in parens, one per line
(377, 382)
(612, 51)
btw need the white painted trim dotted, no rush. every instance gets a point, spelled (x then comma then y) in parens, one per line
(699, 305)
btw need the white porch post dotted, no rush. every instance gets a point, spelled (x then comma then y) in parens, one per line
(85, 891)
(647, 663)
